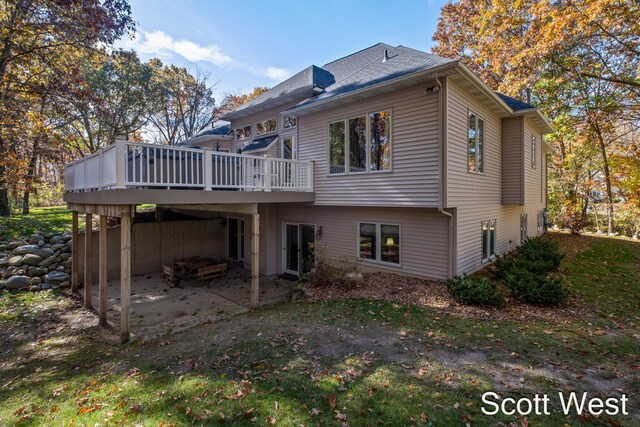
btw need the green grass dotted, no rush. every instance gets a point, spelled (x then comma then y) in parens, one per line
(40, 220)
(357, 361)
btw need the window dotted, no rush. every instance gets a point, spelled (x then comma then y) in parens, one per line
(524, 220)
(540, 221)
(364, 143)
(358, 144)
(379, 242)
(243, 132)
(534, 150)
(288, 147)
(380, 146)
(289, 122)
(336, 147)
(266, 126)
(488, 240)
(475, 145)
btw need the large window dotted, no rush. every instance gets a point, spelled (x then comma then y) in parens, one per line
(289, 122)
(488, 240)
(336, 147)
(534, 150)
(266, 126)
(379, 242)
(364, 143)
(524, 220)
(475, 144)
(243, 132)
(358, 144)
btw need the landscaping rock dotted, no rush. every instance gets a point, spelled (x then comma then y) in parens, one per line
(60, 268)
(56, 277)
(15, 261)
(65, 284)
(35, 238)
(58, 246)
(65, 256)
(49, 286)
(36, 281)
(13, 245)
(2, 284)
(48, 261)
(31, 259)
(25, 249)
(44, 252)
(3, 247)
(41, 243)
(18, 282)
(66, 237)
(4, 262)
(35, 272)
(56, 239)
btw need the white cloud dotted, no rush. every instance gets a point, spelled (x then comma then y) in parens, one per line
(275, 73)
(163, 45)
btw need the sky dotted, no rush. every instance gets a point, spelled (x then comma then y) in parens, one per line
(242, 44)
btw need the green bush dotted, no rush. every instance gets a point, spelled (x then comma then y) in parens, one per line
(475, 291)
(537, 255)
(533, 288)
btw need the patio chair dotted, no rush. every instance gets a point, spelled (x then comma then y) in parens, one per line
(211, 272)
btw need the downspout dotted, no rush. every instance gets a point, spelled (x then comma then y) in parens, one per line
(443, 173)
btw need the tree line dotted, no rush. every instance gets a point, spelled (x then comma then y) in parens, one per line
(66, 92)
(578, 61)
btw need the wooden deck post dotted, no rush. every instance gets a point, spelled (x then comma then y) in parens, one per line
(255, 259)
(74, 251)
(102, 269)
(88, 259)
(125, 275)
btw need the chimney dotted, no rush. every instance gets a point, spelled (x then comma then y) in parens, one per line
(386, 56)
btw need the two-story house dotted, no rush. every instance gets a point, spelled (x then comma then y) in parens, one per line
(399, 158)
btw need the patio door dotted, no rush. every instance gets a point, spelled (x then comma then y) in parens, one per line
(236, 238)
(298, 254)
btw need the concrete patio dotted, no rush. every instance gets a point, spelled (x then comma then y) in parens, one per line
(158, 308)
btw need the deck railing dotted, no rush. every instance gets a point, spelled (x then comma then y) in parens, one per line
(128, 164)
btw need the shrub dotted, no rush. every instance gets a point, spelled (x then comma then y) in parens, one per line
(532, 288)
(475, 291)
(539, 256)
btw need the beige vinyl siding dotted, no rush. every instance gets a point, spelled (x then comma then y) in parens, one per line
(423, 235)
(413, 180)
(534, 186)
(512, 161)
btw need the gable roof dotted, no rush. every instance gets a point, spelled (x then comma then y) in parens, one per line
(515, 104)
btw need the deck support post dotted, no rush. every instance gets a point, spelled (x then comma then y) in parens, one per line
(125, 275)
(255, 259)
(88, 259)
(102, 279)
(74, 251)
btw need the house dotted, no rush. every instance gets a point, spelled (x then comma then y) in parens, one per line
(397, 157)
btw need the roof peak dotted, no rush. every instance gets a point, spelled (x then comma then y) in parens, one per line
(359, 51)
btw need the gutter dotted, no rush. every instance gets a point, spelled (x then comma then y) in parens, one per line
(443, 172)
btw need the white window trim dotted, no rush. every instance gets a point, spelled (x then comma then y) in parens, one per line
(484, 144)
(534, 151)
(493, 256)
(294, 146)
(379, 244)
(368, 144)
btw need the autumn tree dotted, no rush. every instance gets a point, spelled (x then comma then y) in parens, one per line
(34, 34)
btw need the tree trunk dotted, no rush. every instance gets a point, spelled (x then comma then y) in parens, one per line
(4, 195)
(31, 174)
(607, 178)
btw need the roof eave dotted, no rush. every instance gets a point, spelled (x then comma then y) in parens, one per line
(538, 117)
(294, 111)
(270, 103)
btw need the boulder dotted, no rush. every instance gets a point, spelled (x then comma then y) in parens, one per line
(56, 277)
(65, 284)
(2, 284)
(67, 263)
(66, 237)
(15, 261)
(18, 282)
(25, 249)
(13, 245)
(60, 268)
(49, 286)
(56, 239)
(65, 256)
(36, 281)
(41, 243)
(48, 261)
(3, 247)
(35, 238)
(44, 252)
(4, 262)
(35, 272)
(58, 246)
(31, 259)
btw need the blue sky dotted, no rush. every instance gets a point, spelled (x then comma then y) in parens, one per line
(245, 43)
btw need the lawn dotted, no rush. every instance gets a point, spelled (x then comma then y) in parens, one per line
(39, 220)
(352, 361)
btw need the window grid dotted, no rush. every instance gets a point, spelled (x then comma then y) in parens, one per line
(379, 243)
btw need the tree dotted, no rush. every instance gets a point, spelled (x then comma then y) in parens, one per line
(34, 34)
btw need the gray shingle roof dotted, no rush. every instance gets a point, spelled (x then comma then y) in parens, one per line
(514, 104)
(260, 143)
(218, 130)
